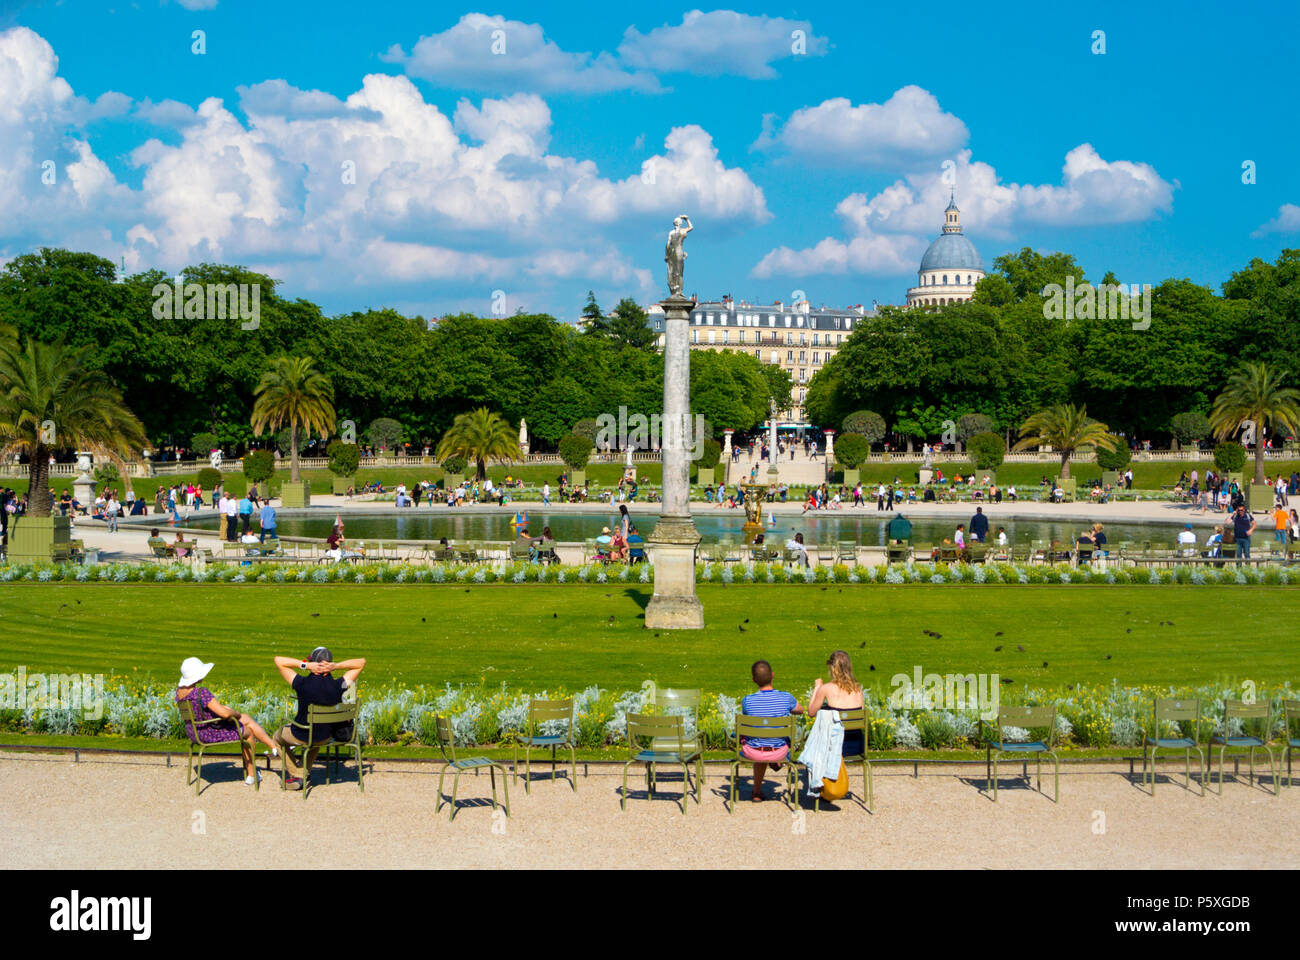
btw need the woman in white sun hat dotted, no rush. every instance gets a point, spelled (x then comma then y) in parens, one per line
(233, 725)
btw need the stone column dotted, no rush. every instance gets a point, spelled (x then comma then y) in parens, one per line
(726, 444)
(830, 448)
(673, 544)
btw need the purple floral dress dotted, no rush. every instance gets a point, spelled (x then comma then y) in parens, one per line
(222, 732)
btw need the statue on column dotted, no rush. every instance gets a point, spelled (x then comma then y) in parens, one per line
(674, 255)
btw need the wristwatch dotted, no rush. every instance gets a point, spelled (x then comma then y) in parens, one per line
(302, 665)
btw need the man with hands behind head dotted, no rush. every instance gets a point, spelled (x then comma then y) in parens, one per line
(317, 686)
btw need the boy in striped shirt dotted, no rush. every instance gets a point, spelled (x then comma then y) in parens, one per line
(766, 702)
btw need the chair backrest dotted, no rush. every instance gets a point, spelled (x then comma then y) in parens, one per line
(1240, 710)
(320, 714)
(446, 738)
(649, 728)
(542, 711)
(856, 719)
(1028, 718)
(1291, 714)
(186, 707)
(767, 727)
(668, 698)
(1174, 710)
(159, 547)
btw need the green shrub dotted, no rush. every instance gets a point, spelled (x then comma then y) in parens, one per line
(259, 466)
(936, 731)
(204, 443)
(972, 424)
(851, 449)
(1230, 456)
(586, 428)
(455, 465)
(209, 478)
(1189, 427)
(866, 422)
(1116, 459)
(575, 450)
(107, 475)
(710, 455)
(987, 450)
(384, 433)
(344, 458)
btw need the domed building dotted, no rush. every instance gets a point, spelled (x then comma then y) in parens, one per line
(950, 268)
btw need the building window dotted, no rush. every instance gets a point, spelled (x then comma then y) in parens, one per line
(771, 321)
(787, 321)
(695, 336)
(839, 338)
(814, 339)
(802, 340)
(803, 376)
(741, 337)
(815, 358)
(774, 357)
(726, 336)
(758, 355)
(712, 336)
(802, 356)
(789, 356)
(945, 279)
(848, 323)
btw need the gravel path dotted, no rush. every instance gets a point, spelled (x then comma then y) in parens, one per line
(135, 812)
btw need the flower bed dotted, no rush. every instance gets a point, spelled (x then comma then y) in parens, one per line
(938, 574)
(1088, 716)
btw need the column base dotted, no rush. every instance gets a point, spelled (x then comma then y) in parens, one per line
(674, 605)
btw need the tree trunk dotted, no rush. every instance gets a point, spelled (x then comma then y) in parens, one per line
(482, 468)
(293, 450)
(1065, 464)
(1259, 459)
(39, 503)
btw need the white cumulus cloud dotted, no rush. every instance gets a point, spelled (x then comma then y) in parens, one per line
(1286, 221)
(721, 42)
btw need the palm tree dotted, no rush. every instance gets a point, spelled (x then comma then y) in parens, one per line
(293, 392)
(50, 399)
(1255, 394)
(479, 435)
(1065, 427)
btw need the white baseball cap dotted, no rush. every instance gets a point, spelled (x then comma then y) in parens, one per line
(192, 671)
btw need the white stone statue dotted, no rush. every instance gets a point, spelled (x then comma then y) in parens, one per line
(925, 456)
(214, 458)
(674, 255)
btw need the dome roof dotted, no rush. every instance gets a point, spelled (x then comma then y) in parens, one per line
(952, 251)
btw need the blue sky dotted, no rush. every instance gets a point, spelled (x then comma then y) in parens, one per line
(423, 157)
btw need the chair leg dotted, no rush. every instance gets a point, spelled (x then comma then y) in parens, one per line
(686, 786)
(573, 767)
(455, 786)
(731, 793)
(1201, 769)
(995, 779)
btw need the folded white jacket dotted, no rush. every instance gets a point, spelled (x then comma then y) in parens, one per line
(823, 748)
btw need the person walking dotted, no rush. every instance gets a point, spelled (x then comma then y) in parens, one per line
(267, 520)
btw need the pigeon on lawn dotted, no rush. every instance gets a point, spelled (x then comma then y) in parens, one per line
(820, 628)
(1020, 648)
(997, 649)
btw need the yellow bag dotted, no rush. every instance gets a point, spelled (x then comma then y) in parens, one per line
(838, 788)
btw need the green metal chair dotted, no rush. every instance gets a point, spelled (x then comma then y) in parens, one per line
(540, 712)
(197, 746)
(1165, 713)
(855, 719)
(668, 701)
(977, 552)
(847, 552)
(342, 713)
(447, 747)
(644, 732)
(1291, 714)
(897, 552)
(769, 727)
(1262, 740)
(1029, 719)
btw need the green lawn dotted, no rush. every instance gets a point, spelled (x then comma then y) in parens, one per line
(546, 637)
